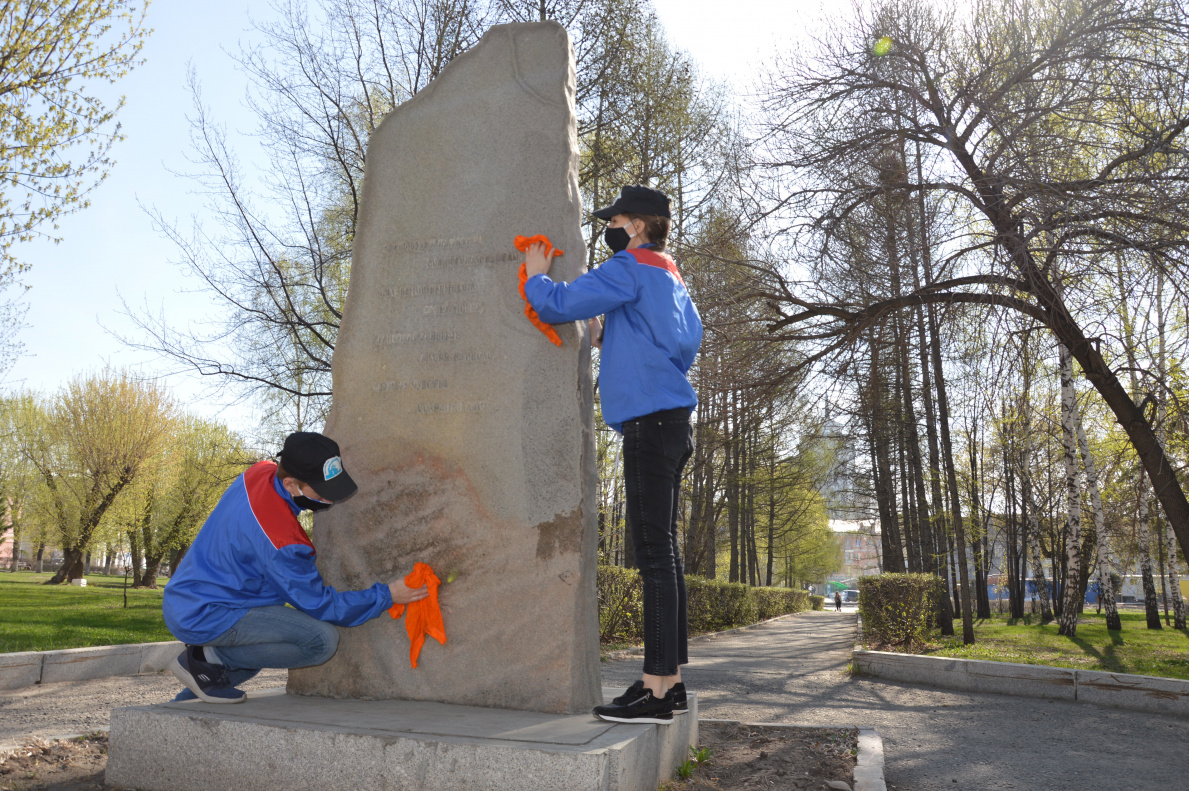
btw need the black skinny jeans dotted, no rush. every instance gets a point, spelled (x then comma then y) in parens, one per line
(656, 448)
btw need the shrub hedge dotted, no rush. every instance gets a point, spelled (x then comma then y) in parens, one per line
(898, 609)
(712, 606)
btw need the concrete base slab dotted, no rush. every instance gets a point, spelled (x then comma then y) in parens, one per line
(295, 743)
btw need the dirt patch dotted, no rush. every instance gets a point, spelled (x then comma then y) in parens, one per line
(61, 765)
(757, 757)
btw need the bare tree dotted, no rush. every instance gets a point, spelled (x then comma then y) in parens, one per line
(1052, 129)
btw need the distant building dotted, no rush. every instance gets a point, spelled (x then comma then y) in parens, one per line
(859, 540)
(847, 488)
(6, 547)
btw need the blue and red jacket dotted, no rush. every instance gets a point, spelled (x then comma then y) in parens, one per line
(651, 335)
(252, 552)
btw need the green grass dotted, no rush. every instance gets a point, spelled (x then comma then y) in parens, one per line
(36, 617)
(1133, 649)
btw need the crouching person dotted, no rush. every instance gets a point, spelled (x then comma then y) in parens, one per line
(251, 558)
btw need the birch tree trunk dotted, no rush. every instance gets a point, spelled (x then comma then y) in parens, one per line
(1174, 579)
(1073, 501)
(1033, 520)
(1106, 587)
(1144, 536)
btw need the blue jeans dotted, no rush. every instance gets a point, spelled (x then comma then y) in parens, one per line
(656, 448)
(275, 636)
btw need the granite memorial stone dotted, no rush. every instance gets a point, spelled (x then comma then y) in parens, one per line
(470, 435)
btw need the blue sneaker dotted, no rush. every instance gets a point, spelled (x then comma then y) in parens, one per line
(208, 682)
(183, 696)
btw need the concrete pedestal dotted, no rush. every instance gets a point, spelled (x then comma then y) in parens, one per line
(294, 743)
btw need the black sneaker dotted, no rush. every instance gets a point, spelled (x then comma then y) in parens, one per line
(644, 707)
(632, 693)
(205, 679)
(680, 701)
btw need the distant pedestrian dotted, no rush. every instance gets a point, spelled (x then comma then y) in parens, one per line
(838, 601)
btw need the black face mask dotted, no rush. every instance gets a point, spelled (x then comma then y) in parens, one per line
(306, 504)
(617, 239)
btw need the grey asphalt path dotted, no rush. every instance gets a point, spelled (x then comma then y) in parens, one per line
(794, 670)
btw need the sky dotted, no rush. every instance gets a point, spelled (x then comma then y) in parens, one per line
(111, 252)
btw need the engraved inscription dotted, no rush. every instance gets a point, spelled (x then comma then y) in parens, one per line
(431, 290)
(472, 260)
(424, 384)
(457, 406)
(433, 244)
(391, 338)
(452, 309)
(457, 357)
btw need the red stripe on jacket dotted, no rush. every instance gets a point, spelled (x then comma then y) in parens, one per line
(272, 512)
(660, 260)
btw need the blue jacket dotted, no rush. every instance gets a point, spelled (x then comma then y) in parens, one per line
(252, 552)
(651, 336)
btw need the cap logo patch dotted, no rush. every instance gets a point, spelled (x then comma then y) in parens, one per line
(332, 467)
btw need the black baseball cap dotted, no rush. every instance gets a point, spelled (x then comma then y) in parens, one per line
(314, 460)
(637, 199)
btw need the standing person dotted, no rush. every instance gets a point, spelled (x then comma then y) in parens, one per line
(227, 599)
(651, 336)
(837, 601)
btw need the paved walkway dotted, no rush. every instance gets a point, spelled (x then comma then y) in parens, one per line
(794, 670)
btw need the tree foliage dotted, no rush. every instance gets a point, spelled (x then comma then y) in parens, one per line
(87, 444)
(56, 132)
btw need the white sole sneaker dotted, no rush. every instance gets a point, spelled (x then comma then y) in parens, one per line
(184, 676)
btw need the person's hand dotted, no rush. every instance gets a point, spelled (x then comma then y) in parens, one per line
(596, 333)
(403, 594)
(535, 260)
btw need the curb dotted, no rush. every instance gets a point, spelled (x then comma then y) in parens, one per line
(29, 668)
(869, 763)
(1151, 694)
(624, 653)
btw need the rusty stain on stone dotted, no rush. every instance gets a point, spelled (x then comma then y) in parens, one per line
(562, 533)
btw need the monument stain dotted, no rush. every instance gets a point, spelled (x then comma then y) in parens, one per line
(562, 533)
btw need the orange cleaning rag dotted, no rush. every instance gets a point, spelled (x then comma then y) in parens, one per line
(425, 617)
(522, 243)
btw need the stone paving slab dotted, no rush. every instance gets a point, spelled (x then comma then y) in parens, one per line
(291, 743)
